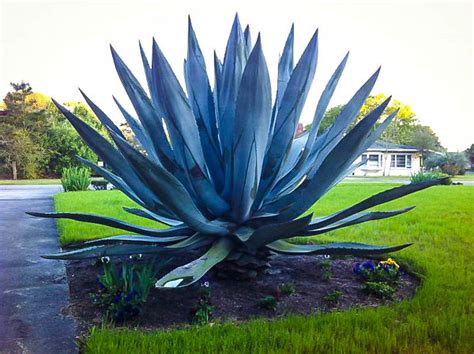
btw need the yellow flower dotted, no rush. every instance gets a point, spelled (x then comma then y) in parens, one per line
(390, 261)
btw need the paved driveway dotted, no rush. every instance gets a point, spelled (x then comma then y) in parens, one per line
(33, 290)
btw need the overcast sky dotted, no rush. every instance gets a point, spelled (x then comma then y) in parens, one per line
(424, 47)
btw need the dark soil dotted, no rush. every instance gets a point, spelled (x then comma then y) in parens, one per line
(239, 300)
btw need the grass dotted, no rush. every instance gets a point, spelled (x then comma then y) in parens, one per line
(439, 319)
(29, 181)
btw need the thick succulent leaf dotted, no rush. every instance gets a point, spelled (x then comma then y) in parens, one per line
(252, 121)
(217, 83)
(134, 239)
(338, 248)
(376, 199)
(143, 213)
(285, 64)
(359, 218)
(127, 249)
(243, 233)
(148, 114)
(176, 109)
(202, 103)
(336, 163)
(342, 122)
(288, 115)
(104, 119)
(119, 224)
(147, 69)
(323, 103)
(272, 232)
(296, 150)
(247, 41)
(140, 134)
(192, 272)
(107, 152)
(232, 69)
(169, 189)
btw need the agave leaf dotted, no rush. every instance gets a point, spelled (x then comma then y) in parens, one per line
(143, 213)
(337, 248)
(134, 239)
(119, 224)
(128, 249)
(111, 157)
(192, 272)
(141, 135)
(253, 109)
(288, 115)
(232, 69)
(336, 163)
(103, 118)
(169, 189)
(247, 41)
(147, 69)
(202, 103)
(318, 117)
(149, 115)
(296, 150)
(285, 64)
(176, 109)
(359, 218)
(272, 232)
(106, 250)
(377, 199)
(244, 233)
(337, 130)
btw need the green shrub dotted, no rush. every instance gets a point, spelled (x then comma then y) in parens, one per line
(76, 179)
(269, 303)
(381, 290)
(428, 176)
(333, 296)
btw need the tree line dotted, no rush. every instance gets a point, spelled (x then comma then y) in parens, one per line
(36, 140)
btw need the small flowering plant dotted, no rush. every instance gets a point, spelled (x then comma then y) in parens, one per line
(201, 313)
(384, 271)
(122, 291)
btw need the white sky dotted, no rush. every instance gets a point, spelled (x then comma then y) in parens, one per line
(424, 47)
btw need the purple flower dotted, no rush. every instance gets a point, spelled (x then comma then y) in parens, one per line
(368, 265)
(357, 268)
(117, 298)
(130, 296)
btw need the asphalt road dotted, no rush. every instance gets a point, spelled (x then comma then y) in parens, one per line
(33, 290)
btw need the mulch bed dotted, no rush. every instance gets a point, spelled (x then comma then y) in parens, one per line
(239, 300)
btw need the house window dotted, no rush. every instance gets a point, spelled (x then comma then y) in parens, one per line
(400, 161)
(372, 160)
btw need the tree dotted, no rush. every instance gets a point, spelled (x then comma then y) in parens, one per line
(423, 137)
(36, 139)
(399, 132)
(63, 142)
(452, 163)
(20, 130)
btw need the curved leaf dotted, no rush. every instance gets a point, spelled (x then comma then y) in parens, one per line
(118, 224)
(338, 248)
(192, 272)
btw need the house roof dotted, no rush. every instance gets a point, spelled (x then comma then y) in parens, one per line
(381, 145)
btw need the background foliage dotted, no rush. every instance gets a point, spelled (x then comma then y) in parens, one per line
(37, 138)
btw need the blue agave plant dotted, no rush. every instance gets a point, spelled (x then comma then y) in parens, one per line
(223, 167)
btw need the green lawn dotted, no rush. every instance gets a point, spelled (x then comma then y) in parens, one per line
(30, 181)
(438, 320)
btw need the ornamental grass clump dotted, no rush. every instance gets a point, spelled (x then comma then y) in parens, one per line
(222, 165)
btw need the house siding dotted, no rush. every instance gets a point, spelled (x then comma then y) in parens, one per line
(385, 167)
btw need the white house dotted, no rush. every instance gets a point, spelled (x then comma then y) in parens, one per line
(387, 159)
